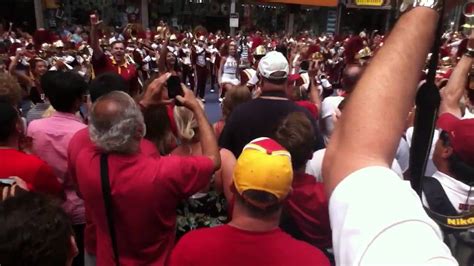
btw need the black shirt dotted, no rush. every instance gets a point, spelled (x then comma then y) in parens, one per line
(260, 118)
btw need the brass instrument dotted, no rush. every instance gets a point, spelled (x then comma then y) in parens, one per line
(468, 12)
(468, 9)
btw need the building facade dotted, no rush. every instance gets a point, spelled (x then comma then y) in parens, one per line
(269, 15)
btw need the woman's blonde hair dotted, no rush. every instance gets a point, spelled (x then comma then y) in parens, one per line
(186, 124)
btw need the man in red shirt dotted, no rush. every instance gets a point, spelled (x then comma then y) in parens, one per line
(102, 85)
(262, 181)
(145, 189)
(35, 172)
(115, 63)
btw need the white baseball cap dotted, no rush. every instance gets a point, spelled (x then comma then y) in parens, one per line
(274, 66)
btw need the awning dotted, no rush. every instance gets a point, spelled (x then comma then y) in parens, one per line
(331, 3)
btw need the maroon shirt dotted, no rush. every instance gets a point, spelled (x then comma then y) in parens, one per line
(308, 206)
(127, 71)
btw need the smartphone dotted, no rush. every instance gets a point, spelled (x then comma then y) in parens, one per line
(174, 87)
(7, 182)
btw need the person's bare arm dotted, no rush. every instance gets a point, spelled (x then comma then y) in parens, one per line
(314, 96)
(369, 132)
(14, 62)
(98, 52)
(20, 75)
(162, 58)
(454, 90)
(221, 70)
(206, 133)
(224, 177)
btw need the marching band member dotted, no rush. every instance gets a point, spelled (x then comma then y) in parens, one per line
(214, 60)
(199, 60)
(186, 63)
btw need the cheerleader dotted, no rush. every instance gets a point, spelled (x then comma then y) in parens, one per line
(229, 70)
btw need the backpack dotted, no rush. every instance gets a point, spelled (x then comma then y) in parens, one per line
(457, 228)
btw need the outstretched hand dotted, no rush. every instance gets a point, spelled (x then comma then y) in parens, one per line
(156, 93)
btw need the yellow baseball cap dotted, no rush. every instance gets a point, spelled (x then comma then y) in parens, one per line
(264, 165)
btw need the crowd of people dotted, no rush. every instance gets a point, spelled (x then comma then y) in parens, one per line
(107, 156)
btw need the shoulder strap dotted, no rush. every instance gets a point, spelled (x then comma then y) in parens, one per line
(427, 105)
(105, 181)
(437, 198)
(442, 211)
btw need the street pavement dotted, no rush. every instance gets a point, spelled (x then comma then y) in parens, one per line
(212, 106)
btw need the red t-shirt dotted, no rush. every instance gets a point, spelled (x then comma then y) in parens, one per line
(308, 206)
(105, 64)
(311, 107)
(81, 139)
(35, 172)
(146, 190)
(227, 245)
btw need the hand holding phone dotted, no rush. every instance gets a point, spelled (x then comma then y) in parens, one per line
(188, 100)
(174, 88)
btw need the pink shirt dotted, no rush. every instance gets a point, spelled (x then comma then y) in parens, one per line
(51, 137)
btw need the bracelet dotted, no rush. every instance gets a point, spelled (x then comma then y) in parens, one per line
(469, 53)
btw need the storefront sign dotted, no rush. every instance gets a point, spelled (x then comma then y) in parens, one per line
(234, 20)
(369, 2)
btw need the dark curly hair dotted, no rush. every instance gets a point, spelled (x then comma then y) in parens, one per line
(34, 231)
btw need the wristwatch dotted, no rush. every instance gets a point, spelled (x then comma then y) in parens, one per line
(469, 52)
(410, 4)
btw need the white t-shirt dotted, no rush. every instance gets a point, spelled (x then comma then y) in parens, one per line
(377, 219)
(315, 165)
(403, 155)
(330, 105)
(456, 191)
(328, 108)
(468, 114)
(430, 167)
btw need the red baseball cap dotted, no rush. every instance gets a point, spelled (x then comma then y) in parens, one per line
(461, 135)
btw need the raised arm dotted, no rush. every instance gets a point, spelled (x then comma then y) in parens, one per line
(20, 75)
(369, 131)
(14, 62)
(206, 133)
(314, 95)
(98, 52)
(162, 58)
(454, 90)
